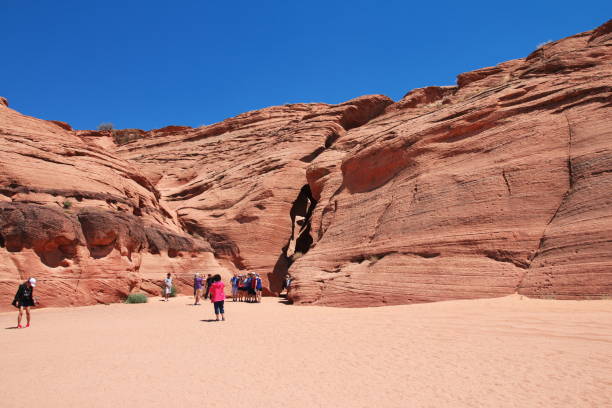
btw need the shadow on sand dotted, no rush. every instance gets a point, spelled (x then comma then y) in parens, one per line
(284, 300)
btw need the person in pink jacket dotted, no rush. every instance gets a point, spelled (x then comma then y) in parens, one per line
(217, 296)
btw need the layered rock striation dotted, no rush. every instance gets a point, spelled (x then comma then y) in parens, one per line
(500, 184)
(234, 183)
(82, 220)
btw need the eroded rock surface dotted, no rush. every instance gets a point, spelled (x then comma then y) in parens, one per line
(234, 183)
(500, 184)
(82, 220)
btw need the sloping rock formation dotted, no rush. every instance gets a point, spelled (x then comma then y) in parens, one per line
(234, 183)
(82, 220)
(500, 184)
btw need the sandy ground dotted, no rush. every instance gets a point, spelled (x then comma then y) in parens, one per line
(503, 352)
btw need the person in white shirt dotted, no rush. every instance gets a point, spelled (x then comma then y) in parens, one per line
(168, 287)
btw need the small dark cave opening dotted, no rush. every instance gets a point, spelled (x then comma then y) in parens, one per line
(299, 242)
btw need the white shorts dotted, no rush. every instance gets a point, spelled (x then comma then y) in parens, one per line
(168, 290)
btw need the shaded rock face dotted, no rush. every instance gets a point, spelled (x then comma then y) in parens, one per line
(495, 186)
(499, 185)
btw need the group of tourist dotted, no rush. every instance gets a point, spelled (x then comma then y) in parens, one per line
(246, 288)
(215, 290)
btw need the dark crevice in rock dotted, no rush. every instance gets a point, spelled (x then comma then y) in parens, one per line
(427, 254)
(564, 198)
(358, 258)
(505, 176)
(331, 139)
(570, 169)
(301, 214)
(311, 156)
(300, 240)
(508, 257)
(373, 258)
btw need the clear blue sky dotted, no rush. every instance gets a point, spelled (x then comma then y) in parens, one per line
(148, 64)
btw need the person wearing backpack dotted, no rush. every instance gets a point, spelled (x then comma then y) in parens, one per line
(252, 288)
(24, 299)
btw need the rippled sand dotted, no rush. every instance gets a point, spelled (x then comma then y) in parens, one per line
(506, 352)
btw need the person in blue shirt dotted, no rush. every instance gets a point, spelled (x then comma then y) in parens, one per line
(235, 281)
(249, 290)
(258, 287)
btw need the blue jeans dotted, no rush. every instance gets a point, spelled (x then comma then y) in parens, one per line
(219, 307)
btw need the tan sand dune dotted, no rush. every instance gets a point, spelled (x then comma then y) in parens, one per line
(506, 352)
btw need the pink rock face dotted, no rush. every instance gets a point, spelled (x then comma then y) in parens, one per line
(234, 183)
(501, 185)
(81, 219)
(498, 185)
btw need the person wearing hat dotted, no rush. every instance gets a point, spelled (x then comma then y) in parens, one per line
(24, 299)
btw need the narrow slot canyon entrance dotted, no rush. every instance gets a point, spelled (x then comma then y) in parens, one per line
(300, 239)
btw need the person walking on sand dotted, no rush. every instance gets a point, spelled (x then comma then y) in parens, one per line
(24, 299)
(197, 287)
(167, 286)
(217, 296)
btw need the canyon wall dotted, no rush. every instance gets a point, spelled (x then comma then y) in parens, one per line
(83, 221)
(500, 184)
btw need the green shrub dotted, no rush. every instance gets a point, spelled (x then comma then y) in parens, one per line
(67, 204)
(137, 298)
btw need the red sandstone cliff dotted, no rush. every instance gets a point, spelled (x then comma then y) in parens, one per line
(87, 224)
(497, 185)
